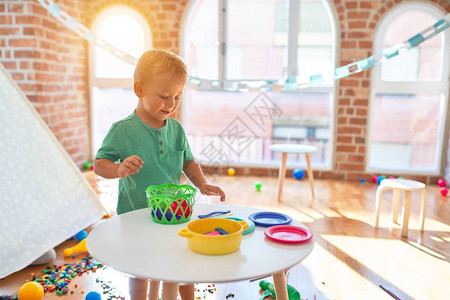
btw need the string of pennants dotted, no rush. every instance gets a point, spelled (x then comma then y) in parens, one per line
(262, 85)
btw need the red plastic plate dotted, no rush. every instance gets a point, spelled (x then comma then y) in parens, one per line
(288, 234)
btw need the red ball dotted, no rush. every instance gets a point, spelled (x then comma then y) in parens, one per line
(91, 167)
(444, 191)
(374, 178)
(441, 182)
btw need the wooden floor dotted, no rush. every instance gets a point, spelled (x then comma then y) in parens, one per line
(350, 258)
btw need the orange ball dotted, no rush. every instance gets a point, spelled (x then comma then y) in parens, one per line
(31, 291)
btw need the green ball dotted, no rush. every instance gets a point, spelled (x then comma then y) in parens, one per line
(87, 166)
(258, 186)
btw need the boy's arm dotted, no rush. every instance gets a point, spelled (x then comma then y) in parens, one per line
(108, 169)
(195, 174)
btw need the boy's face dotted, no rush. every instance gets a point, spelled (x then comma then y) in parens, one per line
(159, 98)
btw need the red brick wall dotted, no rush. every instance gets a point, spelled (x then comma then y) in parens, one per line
(49, 64)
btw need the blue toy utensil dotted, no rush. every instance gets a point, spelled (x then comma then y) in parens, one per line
(213, 214)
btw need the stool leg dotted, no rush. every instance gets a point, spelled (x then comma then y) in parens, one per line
(377, 205)
(310, 175)
(424, 209)
(406, 209)
(170, 291)
(154, 290)
(395, 205)
(282, 175)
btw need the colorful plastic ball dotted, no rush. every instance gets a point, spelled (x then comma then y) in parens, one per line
(31, 291)
(258, 186)
(374, 178)
(93, 296)
(89, 165)
(231, 171)
(81, 235)
(444, 191)
(391, 177)
(380, 178)
(298, 174)
(362, 180)
(400, 177)
(441, 182)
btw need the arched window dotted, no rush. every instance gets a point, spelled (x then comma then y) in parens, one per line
(111, 79)
(254, 41)
(409, 95)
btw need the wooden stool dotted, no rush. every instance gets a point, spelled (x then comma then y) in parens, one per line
(293, 148)
(405, 186)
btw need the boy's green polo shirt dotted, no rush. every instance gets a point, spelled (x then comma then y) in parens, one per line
(163, 150)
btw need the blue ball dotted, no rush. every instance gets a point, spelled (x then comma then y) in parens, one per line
(298, 173)
(81, 235)
(362, 180)
(380, 178)
(93, 296)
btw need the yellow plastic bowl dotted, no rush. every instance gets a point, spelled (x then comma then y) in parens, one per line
(213, 245)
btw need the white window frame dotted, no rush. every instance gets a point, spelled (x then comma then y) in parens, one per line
(102, 82)
(379, 86)
(292, 71)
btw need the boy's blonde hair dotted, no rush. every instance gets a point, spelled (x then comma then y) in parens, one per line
(154, 62)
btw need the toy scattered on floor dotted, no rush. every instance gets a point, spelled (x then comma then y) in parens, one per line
(58, 279)
(109, 291)
(89, 166)
(444, 191)
(81, 235)
(258, 186)
(231, 171)
(229, 296)
(362, 180)
(441, 182)
(298, 174)
(374, 178)
(93, 296)
(380, 178)
(269, 290)
(80, 247)
(31, 291)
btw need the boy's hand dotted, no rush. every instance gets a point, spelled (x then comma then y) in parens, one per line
(212, 190)
(130, 166)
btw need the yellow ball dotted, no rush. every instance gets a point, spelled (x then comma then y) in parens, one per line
(31, 291)
(231, 171)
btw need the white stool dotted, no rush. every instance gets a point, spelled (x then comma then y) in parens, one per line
(293, 148)
(405, 186)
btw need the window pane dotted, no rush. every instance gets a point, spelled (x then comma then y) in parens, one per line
(421, 63)
(109, 105)
(125, 33)
(257, 39)
(203, 51)
(305, 118)
(315, 41)
(404, 131)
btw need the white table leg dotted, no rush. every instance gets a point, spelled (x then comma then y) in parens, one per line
(380, 190)
(170, 291)
(138, 288)
(395, 204)
(282, 175)
(423, 211)
(310, 175)
(406, 210)
(154, 290)
(279, 281)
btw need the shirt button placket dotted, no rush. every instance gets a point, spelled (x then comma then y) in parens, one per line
(161, 151)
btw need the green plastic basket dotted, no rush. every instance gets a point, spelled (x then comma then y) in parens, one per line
(170, 203)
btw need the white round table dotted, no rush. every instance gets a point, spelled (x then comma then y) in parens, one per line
(132, 243)
(293, 148)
